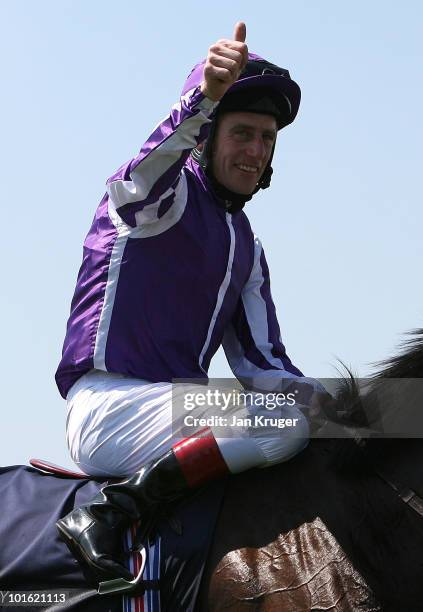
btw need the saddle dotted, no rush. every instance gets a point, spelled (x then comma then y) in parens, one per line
(167, 571)
(57, 470)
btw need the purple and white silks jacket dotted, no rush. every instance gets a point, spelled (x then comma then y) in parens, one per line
(168, 275)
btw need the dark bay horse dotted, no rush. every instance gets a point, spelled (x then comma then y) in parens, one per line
(339, 527)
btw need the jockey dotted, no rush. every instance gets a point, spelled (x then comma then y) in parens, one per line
(171, 271)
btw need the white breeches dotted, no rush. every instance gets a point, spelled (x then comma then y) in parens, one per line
(116, 424)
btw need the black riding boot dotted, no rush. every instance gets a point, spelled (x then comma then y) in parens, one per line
(94, 531)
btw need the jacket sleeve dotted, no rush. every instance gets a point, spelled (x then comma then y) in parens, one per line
(138, 188)
(253, 344)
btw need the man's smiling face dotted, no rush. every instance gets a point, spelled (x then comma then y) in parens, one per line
(242, 147)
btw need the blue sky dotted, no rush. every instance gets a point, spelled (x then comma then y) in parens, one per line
(83, 84)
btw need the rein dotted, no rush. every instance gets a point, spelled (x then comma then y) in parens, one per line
(408, 496)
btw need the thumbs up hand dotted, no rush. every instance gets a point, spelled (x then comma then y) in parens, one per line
(225, 61)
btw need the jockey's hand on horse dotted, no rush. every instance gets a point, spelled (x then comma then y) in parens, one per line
(328, 416)
(225, 61)
(320, 410)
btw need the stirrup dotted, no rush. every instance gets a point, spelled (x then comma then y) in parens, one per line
(121, 585)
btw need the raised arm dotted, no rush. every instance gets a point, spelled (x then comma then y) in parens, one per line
(154, 174)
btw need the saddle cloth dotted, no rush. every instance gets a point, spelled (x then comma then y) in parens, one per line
(32, 556)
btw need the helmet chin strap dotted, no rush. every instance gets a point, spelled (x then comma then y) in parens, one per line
(232, 201)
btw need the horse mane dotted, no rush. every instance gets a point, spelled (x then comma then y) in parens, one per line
(409, 362)
(362, 410)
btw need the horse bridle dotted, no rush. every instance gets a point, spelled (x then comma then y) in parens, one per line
(407, 495)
